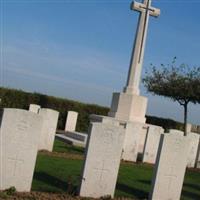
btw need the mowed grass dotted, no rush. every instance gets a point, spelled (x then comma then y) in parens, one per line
(61, 147)
(53, 174)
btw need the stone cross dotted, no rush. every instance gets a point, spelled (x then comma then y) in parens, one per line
(145, 9)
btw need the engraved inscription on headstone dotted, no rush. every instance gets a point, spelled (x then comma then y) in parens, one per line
(21, 129)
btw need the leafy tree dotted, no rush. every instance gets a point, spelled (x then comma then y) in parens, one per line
(179, 83)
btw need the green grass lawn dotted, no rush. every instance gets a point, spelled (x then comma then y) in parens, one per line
(55, 174)
(61, 147)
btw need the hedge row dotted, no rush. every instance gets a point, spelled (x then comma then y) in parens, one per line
(12, 98)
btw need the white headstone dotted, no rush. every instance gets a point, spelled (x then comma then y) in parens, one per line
(102, 161)
(175, 131)
(143, 136)
(34, 108)
(50, 120)
(131, 141)
(194, 143)
(151, 144)
(71, 121)
(19, 137)
(170, 167)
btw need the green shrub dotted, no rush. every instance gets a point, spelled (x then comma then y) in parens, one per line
(12, 98)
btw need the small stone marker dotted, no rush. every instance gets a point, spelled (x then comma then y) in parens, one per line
(50, 120)
(131, 141)
(34, 108)
(19, 138)
(71, 121)
(151, 144)
(170, 167)
(194, 143)
(102, 161)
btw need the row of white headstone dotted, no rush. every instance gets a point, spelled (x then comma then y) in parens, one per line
(142, 141)
(22, 134)
(111, 140)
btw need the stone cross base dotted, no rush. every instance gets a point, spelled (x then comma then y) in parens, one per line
(128, 107)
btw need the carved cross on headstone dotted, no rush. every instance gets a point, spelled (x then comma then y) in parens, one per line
(171, 176)
(17, 163)
(101, 170)
(135, 68)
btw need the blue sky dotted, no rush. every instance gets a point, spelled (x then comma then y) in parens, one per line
(81, 49)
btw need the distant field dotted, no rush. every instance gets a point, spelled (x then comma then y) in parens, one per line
(57, 174)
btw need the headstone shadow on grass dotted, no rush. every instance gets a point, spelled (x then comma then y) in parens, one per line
(77, 150)
(148, 182)
(192, 186)
(141, 194)
(191, 195)
(66, 186)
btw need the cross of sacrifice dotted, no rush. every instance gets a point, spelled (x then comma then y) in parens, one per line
(146, 10)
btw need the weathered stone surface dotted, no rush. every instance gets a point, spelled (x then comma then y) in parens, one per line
(175, 131)
(19, 137)
(128, 107)
(170, 167)
(71, 121)
(194, 143)
(102, 161)
(133, 132)
(50, 120)
(131, 142)
(151, 144)
(34, 108)
(105, 120)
